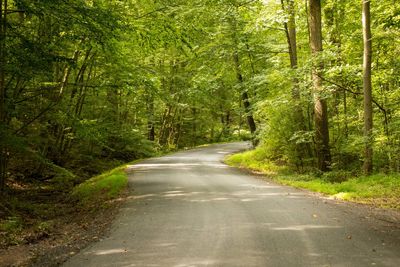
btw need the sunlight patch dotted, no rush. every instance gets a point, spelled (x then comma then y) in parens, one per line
(305, 227)
(110, 251)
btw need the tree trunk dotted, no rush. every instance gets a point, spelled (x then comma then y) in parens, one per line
(320, 106)
(3, 95)
(303, 150)
(290, 29)
(247, 107)
(367, 85)
(150, 116)
(245, 96)
(194, 127)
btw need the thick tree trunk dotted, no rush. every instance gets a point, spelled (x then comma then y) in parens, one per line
(320, 106)
(367, 84)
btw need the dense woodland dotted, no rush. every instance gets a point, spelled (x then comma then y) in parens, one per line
(87, 84)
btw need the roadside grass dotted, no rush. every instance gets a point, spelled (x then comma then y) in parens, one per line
(101, 188)
(30, 215)
(381, 190)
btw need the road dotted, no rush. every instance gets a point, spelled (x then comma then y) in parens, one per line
(190, 209)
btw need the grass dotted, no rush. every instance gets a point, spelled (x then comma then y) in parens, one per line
(380, 190)
(103, 187)
(31, 212)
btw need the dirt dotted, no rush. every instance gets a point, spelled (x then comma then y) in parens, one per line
(73, 229)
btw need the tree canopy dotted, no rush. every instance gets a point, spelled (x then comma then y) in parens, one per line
(84, 82)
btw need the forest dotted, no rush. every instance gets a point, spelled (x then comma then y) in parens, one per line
(87, 85)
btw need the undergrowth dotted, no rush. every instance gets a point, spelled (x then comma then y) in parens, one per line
(31, 213)
(379, 189)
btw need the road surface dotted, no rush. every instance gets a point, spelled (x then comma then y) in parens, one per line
(190, 209)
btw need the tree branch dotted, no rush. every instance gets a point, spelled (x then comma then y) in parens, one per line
(352, 92)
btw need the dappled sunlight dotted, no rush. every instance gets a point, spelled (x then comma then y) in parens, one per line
(165, 245)
(299, 196)
(191, 263)
(173, 192)
(248, 199)
(220, 198)
(257, 186)
(212, 196)
(175, 195)
(145, 167)
(141, 196)
(108, 251)
(315, 255)
(305, 227)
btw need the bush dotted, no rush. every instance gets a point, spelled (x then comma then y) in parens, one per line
(337, 176)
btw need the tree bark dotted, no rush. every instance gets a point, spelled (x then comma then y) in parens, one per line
(290, 29)
(303, 150)
(245, 96)
(320, 106)
(367, 86)
(3, 95)
(150, 116)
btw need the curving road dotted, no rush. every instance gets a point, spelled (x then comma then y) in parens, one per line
(189, 209)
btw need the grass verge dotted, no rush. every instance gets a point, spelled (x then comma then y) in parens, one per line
(380, 190)
(101, 188)
(42, 224)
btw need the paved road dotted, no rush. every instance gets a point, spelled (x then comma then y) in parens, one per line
(189, 209)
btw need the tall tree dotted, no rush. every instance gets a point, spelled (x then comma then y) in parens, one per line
(320, 106)
(367, 85)
(244, 92)
(245, 96)
(288, 6)
(3, 110)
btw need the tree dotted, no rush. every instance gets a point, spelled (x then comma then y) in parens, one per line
(303, 150)
(367, 86)
(3, 109)
(320, 106)
(239, 76)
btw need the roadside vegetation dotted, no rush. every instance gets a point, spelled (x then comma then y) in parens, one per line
(380, 190)
(35, 214)
(86, 86)
(102, 188)
(43, 219)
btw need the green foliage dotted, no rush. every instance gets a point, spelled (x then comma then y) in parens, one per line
(93, 84)
(337, 176)
(103, 187)
(256, 160)
(380, 189)
(10, 229)
(11, 224)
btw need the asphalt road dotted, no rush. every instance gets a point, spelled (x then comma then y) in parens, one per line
(189, 209)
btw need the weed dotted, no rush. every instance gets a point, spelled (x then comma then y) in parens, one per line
(11, 224)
